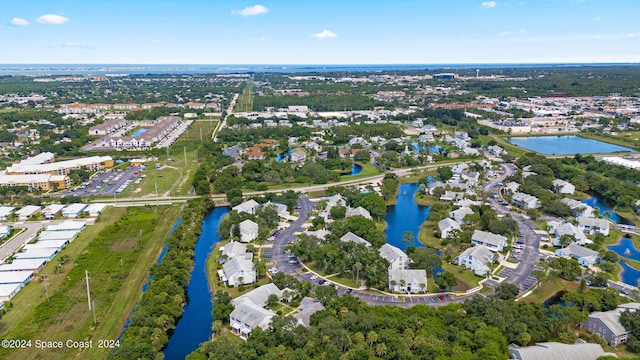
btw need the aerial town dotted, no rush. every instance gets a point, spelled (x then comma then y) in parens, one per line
(441, 214)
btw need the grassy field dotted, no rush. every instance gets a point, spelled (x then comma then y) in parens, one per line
(466, 279)
(118, 253)
(367, 170)
(548, 288)
(174, 177)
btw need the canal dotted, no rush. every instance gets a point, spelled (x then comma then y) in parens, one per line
(194, 327)
(405, 215)
(625, 248)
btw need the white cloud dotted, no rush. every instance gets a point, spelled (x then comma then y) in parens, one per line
(597, 18)
(261, 38)
(154, 41)
(52, 19)
(489, 4)
(19, 22)
(76, 45)
(505, 33)
(325, 34)
(251, 11)
(632, 35)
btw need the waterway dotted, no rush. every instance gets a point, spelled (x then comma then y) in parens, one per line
(283, 155)
(629, 275)
(405, 215)
(140, 132)
(625, 248)
(563, 145)
(194, 327)
(606, 211)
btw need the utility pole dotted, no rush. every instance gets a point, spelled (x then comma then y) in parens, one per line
(86, 272)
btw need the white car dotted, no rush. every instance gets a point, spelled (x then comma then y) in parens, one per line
(313, 277)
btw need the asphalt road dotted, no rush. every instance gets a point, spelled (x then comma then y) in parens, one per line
(530, 255)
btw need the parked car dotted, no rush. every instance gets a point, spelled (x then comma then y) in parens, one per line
(441, 297)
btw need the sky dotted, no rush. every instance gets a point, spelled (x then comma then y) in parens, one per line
(319, 31)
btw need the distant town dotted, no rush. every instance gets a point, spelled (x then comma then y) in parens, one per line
(445, 213)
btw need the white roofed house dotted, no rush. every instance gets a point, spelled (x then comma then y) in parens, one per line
(247, 316)
(358, 211)
(586, 257)
(280, 208)
(563, 187)
(67, 226)
(248, 206)
(351, 237)
(94, 210)
(73, 210)
(397, 258)
(560, 229)
(28, 211)
(52, 210)
(476, 259)
(578, 208)
(446, 226)
(335, 200)
(5, 231)
(248, 230)
(259, 296)
(459, 214)
(607, 324)
(5, 212)
(308, 307)
(591, 225)
(239, 271)
(493, 242)
(408, 281)
(510, 188)
(525, 201)
(297, 157)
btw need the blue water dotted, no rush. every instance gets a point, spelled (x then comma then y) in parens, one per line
(283, 155)
(417, 147)
(356, 169)
(132, 69)
(405, 215)
(622, 246)
(629, 275)
(194, 327)
(159, 261)
(605, 211)
(565, 145)
(140, 132)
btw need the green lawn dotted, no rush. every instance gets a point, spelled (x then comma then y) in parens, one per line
(548, 288)
(466, 279)
(367, 171)
(118, 253)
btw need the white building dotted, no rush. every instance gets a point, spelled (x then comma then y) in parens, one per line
(591, 225)
(5, 212)
(493, 242)
(458, 215)
(476, 259)
(248, 316)
(408, 281)
(94, 210)
(358, 211)
(397, 258)
(52, 210)
(560, 229)
(28, 211)
(73, 210)
(351, 237)
(586, 257)
(447, 225)
(238, 271)
(248, 231)
(247, 206)
(563, 187)
(525, 201)
(67, 226)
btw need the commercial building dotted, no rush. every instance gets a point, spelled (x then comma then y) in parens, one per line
(91, 164)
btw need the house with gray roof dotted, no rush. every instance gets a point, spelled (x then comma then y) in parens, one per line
(358, 211)
(351, 237)
(247, 316)
(280, 208)
(557, 351)
(591, 225)
(565, 228)
(586, 257)
(476, 259)
(459, 214)
(234, 249)
(397, 258)
(248, 230)
(446, 226)
(493, 242)
(308, 307)
(260, 295)
(525, 201)
(238, 271)
(578, 208)
(606, 324)
(510, 188)
(408, 281)
(563, 187)
(248, 206)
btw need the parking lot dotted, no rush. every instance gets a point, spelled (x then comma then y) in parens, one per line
(109, 182)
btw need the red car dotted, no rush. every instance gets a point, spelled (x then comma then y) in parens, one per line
(441, 297)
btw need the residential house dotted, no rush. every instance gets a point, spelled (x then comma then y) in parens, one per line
(248, 206)
(247, 316)
(525, 201)
(248, 230)
(94, 210)
(359, 211)
(73, 210)
(493, 242)
(476, 259)
(446, 226)
(27, 212)
(5, 231)
(586, 257)
(510, 188)
(451, 196)
(308, 307)
(259, 296)
(591, 225)
(578, 208)
(5, 212)
(459, 214)
(51, 211)
(563, 187)
(351, 237)
(298, 157)
(281, 209)
(408, 281)
(565, 228)
(397, 258)
(335, 200)
(607, 324)
(557, 351)
(238, 271)
(495, 150)
(234, 249)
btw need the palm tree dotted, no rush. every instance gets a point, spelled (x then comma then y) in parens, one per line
(358, 266)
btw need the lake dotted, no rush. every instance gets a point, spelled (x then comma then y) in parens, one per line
(140, 132)
(356, 169)
(564, 145)
(629, 275)
(405, 215)
(605, 210)
(194, 327)
(625, 248)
